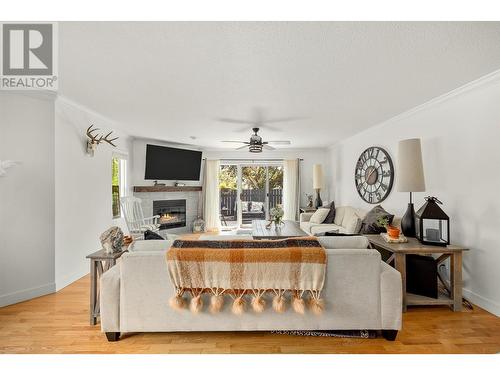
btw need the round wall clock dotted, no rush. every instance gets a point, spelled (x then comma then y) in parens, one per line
(374, 175)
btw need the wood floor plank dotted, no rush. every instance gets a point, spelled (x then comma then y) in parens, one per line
(58, 323)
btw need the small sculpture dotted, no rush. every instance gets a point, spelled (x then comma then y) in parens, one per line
(309, 200)
(112, 240)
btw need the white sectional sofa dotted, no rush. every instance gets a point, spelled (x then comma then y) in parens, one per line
(347, 221)
(360, 292)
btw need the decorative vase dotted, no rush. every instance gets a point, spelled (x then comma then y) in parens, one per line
(408, 221)
(318, 202)
(278, 222)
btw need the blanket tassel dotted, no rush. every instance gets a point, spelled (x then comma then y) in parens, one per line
(217, 300)
(298, 304)
(316, 304)
(238, 303)
(177, 302)
(258, 303)
(196, 304)
(279, 301)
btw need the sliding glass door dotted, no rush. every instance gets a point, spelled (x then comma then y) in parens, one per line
(248, 192)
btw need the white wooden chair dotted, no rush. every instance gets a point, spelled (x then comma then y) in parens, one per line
(136, 222)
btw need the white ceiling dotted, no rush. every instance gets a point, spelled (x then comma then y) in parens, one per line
(173, 80)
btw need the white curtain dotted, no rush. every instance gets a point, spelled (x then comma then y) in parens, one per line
(291, 189)
(211, 199)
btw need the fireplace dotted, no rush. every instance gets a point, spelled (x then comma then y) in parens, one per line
(172, 213)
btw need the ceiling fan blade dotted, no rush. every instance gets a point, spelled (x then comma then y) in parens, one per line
(234, 141)
(279, 142)
(267, 147)
(235, 121)
(241, 148)
(283, 119)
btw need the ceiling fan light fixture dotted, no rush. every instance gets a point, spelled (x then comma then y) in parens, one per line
(255, 148)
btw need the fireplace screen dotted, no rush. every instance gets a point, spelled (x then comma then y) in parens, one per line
(172, 213)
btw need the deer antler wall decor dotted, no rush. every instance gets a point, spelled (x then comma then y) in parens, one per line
(96, 138)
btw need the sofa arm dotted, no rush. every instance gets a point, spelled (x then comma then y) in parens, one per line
(305, 216)
(110, 300)
(391, 297)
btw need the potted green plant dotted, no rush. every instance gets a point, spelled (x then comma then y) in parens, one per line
(392, 231)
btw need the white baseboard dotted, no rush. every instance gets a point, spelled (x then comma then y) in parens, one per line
(64, 281)
(26, 294)
(485, 303)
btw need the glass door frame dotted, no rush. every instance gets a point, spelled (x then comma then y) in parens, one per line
(240, 164)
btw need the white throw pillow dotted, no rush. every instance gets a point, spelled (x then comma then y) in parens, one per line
(319, 216)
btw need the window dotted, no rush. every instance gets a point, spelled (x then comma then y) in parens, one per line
(118, 183)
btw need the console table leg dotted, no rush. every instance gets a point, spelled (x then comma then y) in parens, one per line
(400, 265)
(456, 280)
(93, 292)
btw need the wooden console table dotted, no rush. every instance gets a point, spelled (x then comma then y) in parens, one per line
(413, 246)
(100, 262)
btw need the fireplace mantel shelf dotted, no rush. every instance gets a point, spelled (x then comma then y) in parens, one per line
(159, 189)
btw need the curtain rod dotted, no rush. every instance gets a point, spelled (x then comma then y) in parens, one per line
(253, 160)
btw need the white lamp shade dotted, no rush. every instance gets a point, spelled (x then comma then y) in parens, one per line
(317, 176)
(410, 173)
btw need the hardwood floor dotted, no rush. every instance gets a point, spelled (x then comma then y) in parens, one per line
(58, 323)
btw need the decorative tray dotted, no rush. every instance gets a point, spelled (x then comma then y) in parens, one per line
(401, 238)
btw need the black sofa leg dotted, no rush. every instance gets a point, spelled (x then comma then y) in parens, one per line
(112, 336)
(389, 334)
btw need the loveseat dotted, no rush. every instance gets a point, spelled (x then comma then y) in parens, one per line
(348, 220)
(360, 292)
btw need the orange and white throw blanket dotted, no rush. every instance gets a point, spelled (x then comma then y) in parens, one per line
(237, 268)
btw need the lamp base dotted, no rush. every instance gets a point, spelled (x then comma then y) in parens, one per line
(408, 221)
(318, 203)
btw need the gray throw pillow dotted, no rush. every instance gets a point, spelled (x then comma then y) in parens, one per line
(369, 224)
(331, 215)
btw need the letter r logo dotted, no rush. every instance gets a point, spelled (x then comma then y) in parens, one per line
(27, 49)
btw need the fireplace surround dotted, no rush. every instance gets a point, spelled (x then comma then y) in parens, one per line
(172, 212)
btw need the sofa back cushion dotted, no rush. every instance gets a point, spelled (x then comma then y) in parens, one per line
(348, 242)
(339, 215)
(351, 221)
(150, 245)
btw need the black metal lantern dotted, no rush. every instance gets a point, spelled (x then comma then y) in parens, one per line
(432, 225)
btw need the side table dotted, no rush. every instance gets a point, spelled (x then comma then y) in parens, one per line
(413, 246)
(307, 209)
(100, 262)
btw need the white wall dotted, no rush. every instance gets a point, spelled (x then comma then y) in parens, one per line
(83, 203)
(460, 135)
(26, 197)
(310, 156)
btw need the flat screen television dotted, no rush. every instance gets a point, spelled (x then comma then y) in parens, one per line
(167, 163)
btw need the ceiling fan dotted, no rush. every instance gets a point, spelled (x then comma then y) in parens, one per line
(256, 145)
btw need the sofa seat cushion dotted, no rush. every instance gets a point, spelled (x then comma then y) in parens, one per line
(320, 229)
(306, 226)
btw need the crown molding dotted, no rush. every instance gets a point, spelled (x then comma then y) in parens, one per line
(488, 79)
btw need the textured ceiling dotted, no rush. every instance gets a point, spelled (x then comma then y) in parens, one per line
(173, 80)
